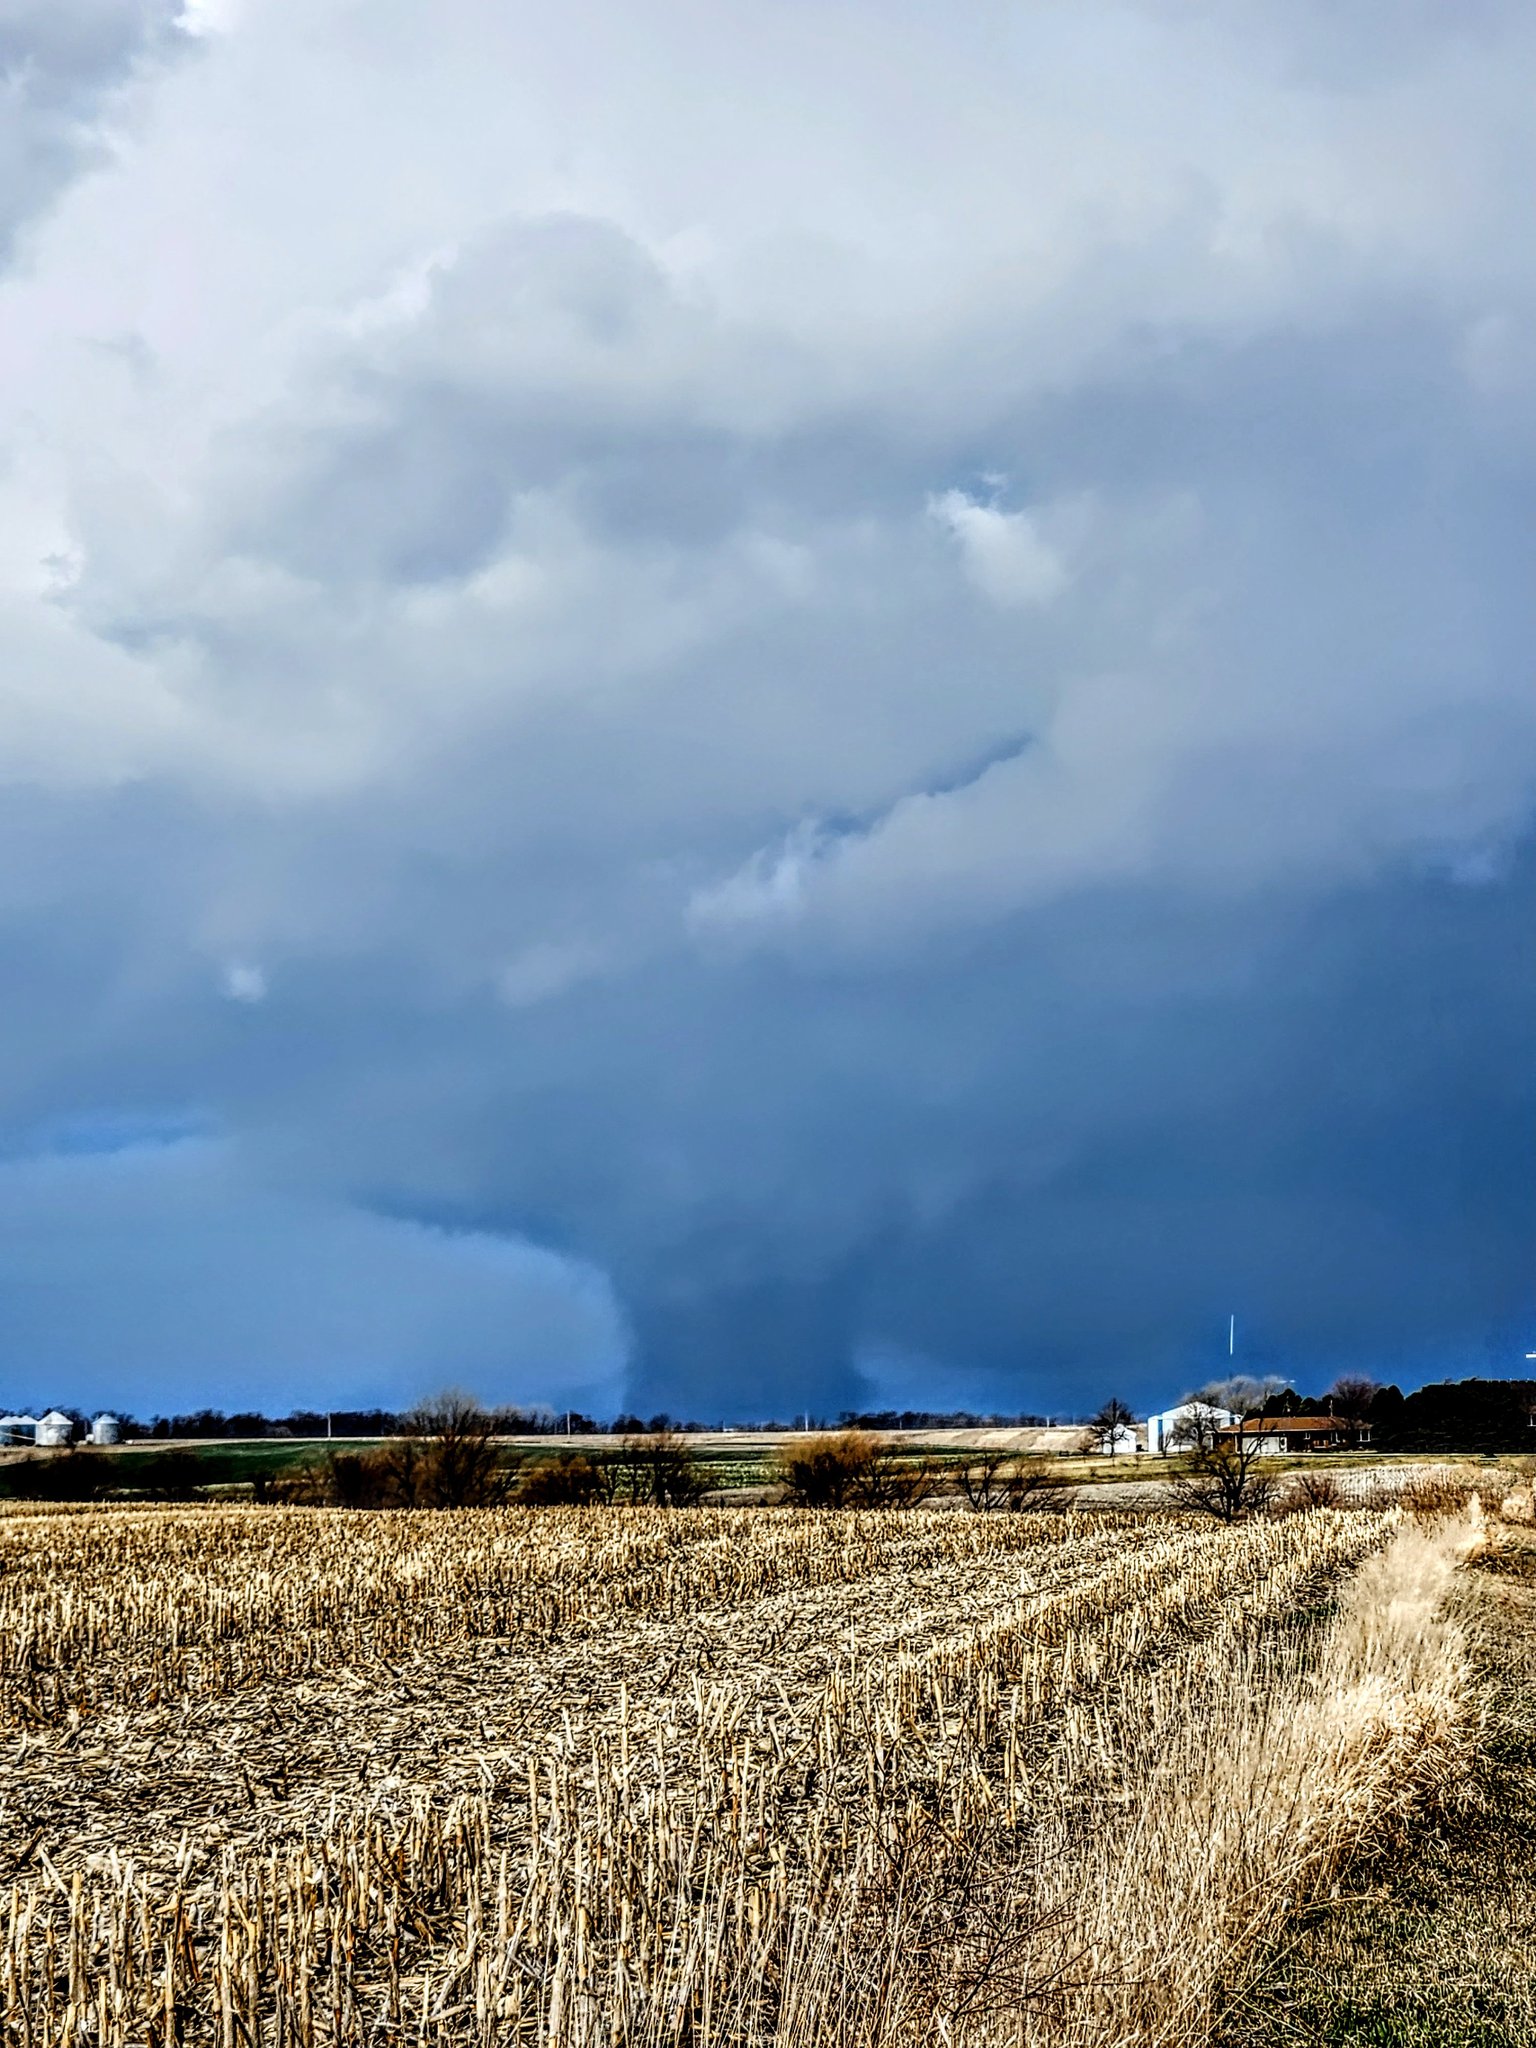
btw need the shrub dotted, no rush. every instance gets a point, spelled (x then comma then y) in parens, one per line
(62, 1475)
(449, 1458)
(570, 1480)
(1320, 1489)
(1431, 1494)
(168, 1475)
(852, 1469)
(365, 1479)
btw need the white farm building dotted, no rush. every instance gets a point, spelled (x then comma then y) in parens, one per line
(54, 1430)
(106, 1429)
(1164, 1431)
(17, 1429)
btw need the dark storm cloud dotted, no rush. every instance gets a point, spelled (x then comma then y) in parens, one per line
(914, 752)
(1060, 1158)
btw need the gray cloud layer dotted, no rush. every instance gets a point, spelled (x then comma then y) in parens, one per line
(873, 673)
(66, 67)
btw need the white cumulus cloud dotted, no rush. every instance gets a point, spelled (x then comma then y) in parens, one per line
(244, 982)
(1005, 554)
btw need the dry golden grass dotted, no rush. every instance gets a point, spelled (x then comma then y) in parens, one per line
(1434, 1944)
(276, 1779)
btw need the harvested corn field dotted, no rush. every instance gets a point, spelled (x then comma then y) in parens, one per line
(280, 1778)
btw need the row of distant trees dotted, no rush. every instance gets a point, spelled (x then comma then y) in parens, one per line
(205, 1425)
(446, 1455)
(449, 1458)
(1457, 1415)
(1451, 1415)
(449, 1453)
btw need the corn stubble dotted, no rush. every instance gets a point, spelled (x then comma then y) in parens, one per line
(1014, 1780)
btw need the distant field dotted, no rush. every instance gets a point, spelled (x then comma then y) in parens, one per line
(231, 1461)
(709, 1777)
(736, 1462)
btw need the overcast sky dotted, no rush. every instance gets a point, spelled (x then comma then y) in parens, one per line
(735, 707)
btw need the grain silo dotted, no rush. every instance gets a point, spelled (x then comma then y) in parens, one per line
(54, 1430)
(106, 1429)
(17, 1429)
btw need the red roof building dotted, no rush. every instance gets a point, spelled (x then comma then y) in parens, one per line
(1291, 1433)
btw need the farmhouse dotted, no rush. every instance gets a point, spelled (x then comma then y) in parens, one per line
(1288, 1433)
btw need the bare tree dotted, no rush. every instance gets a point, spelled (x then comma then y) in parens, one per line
(1240, 1393)
(1001, 1482)
(1350, 1398)
(1223, 1468)
(450, 1444)
(1105, 1427)
(984, 1481)
(1228, 1479)
(662, 1468)
(895, 1478)
(446, 1457)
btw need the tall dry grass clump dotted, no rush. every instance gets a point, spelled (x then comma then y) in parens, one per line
(1253, 1771)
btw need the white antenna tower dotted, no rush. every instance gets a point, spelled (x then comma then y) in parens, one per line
(1231, 1336)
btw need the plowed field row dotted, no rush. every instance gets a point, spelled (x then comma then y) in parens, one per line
(565, 1776)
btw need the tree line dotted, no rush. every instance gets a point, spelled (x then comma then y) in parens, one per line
(207, 1425)
(451, 1460)
(1449, 1415)
(447, 1453)
(1453, 1415)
